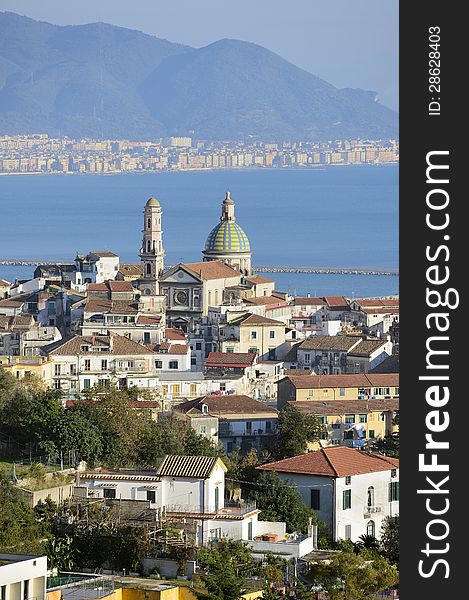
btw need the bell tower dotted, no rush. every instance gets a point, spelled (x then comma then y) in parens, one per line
(151, 252)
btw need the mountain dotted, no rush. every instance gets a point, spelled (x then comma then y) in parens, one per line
(99, 80)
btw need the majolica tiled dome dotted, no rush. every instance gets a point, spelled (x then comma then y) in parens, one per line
(227, 237)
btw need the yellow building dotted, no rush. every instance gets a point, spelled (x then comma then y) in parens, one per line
(352, 422)
(26, 366)
(337, 387)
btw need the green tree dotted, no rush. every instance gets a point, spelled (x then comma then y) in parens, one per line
(296, 430)
(351, 577)
(389, 540)
(73, 432)
(19, 529)
(60, 553)
(226, 569)
(280, 500)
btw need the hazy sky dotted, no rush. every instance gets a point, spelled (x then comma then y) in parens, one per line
(349, 43)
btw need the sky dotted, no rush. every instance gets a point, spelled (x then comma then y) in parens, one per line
(349, 43)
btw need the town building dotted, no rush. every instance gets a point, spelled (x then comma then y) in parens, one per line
(191, 288)
(23, 576)
(241, 421)
(338, 354)
(191, 490)
(82, 362)
(350, 490)
(353, 423)
(299, 387)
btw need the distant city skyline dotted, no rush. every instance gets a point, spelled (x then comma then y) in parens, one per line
(349, 44)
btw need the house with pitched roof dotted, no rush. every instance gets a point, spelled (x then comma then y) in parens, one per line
(338, 354)
(269, 338)
(311, 387)
(191, 490)
(353, 423)
(81, 362)
(350, 490)
(117, 307)
(234, 420)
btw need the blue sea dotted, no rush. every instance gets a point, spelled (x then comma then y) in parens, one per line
(337, 216)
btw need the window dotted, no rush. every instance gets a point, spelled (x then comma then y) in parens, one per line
(348, 480)
(198, 345)
(175, 389)
(202, 429)
(148, 269)
(104, 365)
(51, 308)
(323, 420)
(271, 353)
(370, 497)
(109, 493)
(158, 364)
(173, 364)
(307, 358)
(316, 499)
(252, 350)
(342, 392)
(268, 426)
(151, 496)
(272, 335)
(56, 370)
(57, 384)
(335, 425)
(248, 426)
(253, 335)
(393, 472)
(193, 389)
(230, 349)
(84, 348)
(87, 364)
(86, 384)
(346, 499)
(371, 434)
(350, 418)
(73, 370)
(394, 491)
(348, 532)
(370, 528)
(362, 418)
(146, 337)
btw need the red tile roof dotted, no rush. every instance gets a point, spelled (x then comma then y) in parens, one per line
(338, 461)
(256, 279)
(307, 382)
(221, 406)
(230, 359)
(337, 302)
(212, 269)
(174, 334)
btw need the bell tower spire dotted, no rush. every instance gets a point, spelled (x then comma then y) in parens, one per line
(152, 252)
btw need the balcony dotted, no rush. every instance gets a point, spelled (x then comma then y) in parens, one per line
(231, 509)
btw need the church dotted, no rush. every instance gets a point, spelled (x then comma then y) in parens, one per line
(224, 276)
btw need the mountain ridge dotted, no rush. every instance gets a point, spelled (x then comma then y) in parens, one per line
(102, 80)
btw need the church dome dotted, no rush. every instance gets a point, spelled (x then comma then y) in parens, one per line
(152, 202)
(227, 237)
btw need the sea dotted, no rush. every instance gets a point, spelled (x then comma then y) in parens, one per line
(332, 216)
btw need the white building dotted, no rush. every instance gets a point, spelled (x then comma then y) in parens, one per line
(23, 576)
(81, 362)
(192, 489)
(350, 490)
